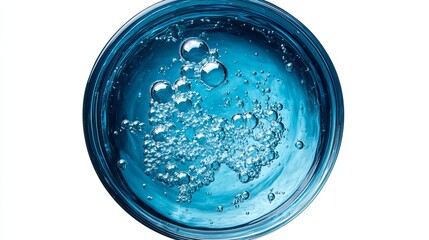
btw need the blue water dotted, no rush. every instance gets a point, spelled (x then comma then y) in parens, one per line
(213, 122)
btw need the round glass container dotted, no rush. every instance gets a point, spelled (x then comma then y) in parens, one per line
(213, 119)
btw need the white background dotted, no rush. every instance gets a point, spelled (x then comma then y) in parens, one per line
(379, 186)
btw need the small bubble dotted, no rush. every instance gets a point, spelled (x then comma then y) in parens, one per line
(125, 124)
(183, 104)
(247, 213)
(270, 155)
(289, 67)
(227, 102)
(115, 132)
(159, 133)
(272, 115)
(299, 145)
(187, 71)
(252, 151)
(244, 177)
(194, 50)
(182, 85)
(161, 91)
(256, 54)
(183, 178)
(246, 81)
(144, 185)
(271, 197)
(122, 164)
(254, 73)
(215, 165)
(213, 74)
(219, 208)
(245, 195)
(162, 70)
(279, 106)
(149, 198)
(170, 167)
(277, 126)
(238, 120)
(250, 120)
(214, 54)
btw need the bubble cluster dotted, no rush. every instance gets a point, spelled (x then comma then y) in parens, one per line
(239, 198)
(202, 63)
(187, 145)
(131, 126)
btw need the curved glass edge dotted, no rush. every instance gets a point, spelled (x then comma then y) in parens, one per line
(91, 123)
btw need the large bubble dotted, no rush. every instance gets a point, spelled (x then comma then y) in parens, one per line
(194, 50)
(213, 74)
(161, 91)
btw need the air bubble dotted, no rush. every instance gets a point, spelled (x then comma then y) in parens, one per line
(159, 133)
(219, 208)
(250, 120)
(277, 126)
(213, 74)
(183, 104)
(187, 71)
(299, 145)
(161, 91)
(271, 197)
(289, 67)
(170, 168)
(183, 178)
(272, 115)
(252, 151)
(125, 124)
(214, 54)
(194, 50)
(122, 164)
(182, 85)
(215, 165)
(244, 177)
(245, 195)
(238, 120)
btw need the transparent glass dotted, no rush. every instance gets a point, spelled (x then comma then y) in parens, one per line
(213, 119)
